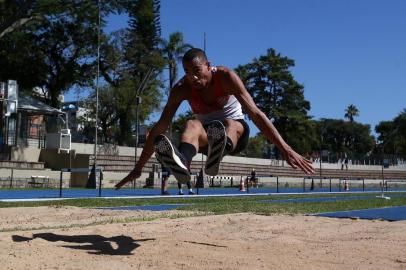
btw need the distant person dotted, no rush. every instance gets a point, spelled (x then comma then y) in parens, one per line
(253, 178)
(217, 97)
(165, 176)
(200, 179)
(346, 163)
(189, 186)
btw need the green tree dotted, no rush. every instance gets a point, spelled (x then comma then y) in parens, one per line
(112, 63)
(51, 53)
(178, 125)
(143, 37)
(107, 114)
(338, 137)
(279, 96)
(351, 112)
(173, 50)
(400, 122)
(258, 147)
(131, 63)
(392, 135)
(15, 13)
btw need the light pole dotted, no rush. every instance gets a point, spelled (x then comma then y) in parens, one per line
(97, 97)
(321, 154)
(138, 101)
(137, 106)
(321, 151)
(383, 160)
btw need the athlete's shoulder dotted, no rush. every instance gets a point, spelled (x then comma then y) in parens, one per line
(181, 88)
(230, 80)
(227, 75)
(222, 70)
(180, 85)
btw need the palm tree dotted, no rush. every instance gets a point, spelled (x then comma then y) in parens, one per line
(173, 50)
(351, 112)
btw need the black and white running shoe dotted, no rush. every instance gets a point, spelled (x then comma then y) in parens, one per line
(171, 158)
(216, 135)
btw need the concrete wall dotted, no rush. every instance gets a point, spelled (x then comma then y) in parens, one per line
(55, 160)
(79, 158)
(106, 149)
(21, 175)
(29, 154)
(130, 151)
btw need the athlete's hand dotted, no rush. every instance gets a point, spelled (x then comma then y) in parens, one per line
(297, 161)
(134, 174)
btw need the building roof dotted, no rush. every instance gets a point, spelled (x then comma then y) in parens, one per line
(34, 106)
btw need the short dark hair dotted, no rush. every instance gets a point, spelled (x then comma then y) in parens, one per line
(193, 53)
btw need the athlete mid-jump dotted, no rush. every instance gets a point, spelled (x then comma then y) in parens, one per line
(216, 96)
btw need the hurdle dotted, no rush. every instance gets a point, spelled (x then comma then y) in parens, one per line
(384, 187)
(315, 178)
(386, 183)
(79, 170)
(262, 175)
(221, 179)
(195, 180)
(345, 180)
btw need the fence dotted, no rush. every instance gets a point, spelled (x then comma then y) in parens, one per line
(35, 181)
(269, 184)
(82, 170)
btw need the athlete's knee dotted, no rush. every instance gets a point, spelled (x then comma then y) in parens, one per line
(193, 128)
(234, 128)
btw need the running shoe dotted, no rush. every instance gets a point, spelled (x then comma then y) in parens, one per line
(216, 135)
(168, 155)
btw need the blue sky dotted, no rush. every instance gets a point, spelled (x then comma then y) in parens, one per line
(345, 52)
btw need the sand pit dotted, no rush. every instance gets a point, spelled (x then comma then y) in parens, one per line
(74, 238)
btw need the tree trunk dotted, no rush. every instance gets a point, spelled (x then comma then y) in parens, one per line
(125, 130)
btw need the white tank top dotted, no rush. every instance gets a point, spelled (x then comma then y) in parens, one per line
(226, 107)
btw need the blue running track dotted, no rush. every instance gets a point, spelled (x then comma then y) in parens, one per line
(6, 194)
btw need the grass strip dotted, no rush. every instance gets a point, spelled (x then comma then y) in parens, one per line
(223, 205)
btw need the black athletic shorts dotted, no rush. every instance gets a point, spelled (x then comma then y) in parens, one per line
(241, 144)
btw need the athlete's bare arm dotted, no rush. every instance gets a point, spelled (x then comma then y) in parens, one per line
(176, 97)
(235, 87)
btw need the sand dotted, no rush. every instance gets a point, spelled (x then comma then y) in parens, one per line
(75, 238)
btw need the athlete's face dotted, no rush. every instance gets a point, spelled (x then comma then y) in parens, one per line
(197, 72)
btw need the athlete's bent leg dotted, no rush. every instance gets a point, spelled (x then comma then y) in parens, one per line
(223, 137)
(234, 130)
(194, 134)
(192, 138)
(168, 155)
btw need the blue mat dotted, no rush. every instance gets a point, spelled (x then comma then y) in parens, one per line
(159, 207)
(321, 199)
(108, 192)
(395, 213)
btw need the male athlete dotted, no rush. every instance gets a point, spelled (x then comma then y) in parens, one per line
(216, 96)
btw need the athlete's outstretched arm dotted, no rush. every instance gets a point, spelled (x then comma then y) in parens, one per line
(160, 127)
(264, 124)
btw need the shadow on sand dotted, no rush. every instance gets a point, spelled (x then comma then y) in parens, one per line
(94, 244)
